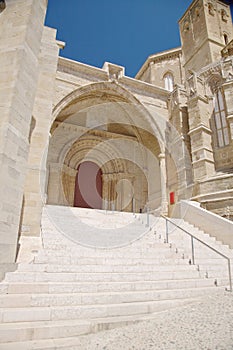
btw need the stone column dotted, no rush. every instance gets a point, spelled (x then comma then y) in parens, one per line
(105, 191)
(21, 28)
(55, 187)
(68, 183)
(109, 191)
(163, 179)
(116, 191)
(127, 191)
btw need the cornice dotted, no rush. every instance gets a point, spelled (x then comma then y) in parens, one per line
(143, 88)
(200, 128)
(76, 68)
(71, 67)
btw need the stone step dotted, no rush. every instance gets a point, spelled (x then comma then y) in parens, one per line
(74, 259)
(30, 314)
(77, 249)
(103, 268)
(92, 260)
(71, 260)
(11, 333)
(165, 253)
(75, 299)
(95, 276)
(95, 228)
(85, 287)
(48, 344)
(54, 335)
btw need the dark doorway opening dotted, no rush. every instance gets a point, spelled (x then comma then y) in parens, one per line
(88, 186)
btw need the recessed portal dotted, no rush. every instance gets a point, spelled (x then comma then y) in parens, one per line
(88, 186)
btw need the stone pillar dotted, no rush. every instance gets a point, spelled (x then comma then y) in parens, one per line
(36, 175)
(163, 178)
(199, 130)
(178, 141)
(21, 28)
(109, 182)
(105, 191)
(68, 184)
(55, 187)
(117, 191)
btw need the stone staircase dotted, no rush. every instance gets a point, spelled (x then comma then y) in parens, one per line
(73, 287)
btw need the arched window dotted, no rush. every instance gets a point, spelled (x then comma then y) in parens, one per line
(168, 81)
(220, 120)
(2, 5)
(225, 39)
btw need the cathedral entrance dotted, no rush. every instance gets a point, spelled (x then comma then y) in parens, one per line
(104, 154)
(88, 186)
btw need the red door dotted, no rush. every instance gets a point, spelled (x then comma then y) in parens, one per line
(88, 186)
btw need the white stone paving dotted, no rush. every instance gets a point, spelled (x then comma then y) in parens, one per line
(203, 325)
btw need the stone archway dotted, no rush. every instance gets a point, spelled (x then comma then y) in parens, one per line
(104, 127)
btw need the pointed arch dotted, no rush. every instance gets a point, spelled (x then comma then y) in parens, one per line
(116, 93)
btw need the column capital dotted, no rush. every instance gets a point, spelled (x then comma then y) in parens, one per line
(162, 156)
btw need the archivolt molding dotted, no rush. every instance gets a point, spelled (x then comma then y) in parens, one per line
(111, 92)
(93, 149)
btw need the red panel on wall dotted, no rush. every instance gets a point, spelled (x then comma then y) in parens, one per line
(172, 197)
(88, 186)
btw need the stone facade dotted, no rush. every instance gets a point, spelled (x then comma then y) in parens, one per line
(164, 136)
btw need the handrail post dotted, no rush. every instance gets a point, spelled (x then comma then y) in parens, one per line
(166, 230)
(134, 206)
(205, 244)
(147, 217)
(192, 244)
(229, 271)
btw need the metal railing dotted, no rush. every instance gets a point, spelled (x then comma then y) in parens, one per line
(202, 242)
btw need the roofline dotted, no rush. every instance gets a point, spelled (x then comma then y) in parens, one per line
(187, 10)
(102, 75)
(155, 57)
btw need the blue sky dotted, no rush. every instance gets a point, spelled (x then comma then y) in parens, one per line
(124, 32)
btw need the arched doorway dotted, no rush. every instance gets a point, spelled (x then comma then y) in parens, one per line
(88, 186)
(115, 131)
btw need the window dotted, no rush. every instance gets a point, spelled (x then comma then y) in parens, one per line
(225, 39)
(220, 120)
(2, 5)
(168, 81)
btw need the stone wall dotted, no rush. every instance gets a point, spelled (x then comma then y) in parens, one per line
(34, 191)
(21, 24)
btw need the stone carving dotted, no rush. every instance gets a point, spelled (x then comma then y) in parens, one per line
(196, 12)
(224, 15)
(228, 50)
(211, 8)
(186, 26)
(191, 85)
